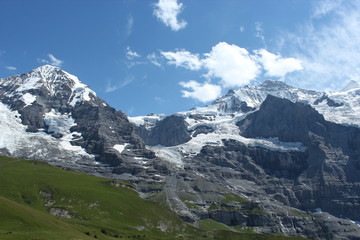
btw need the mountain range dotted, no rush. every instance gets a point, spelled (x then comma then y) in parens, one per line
(272, 157)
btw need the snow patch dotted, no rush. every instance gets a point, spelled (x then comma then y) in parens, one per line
(58, 123)
(120, 147)
(28, 99)
(14, 138)
(225, 128)
(170, 154)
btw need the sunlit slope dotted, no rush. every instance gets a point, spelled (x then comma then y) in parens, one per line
(38, 201)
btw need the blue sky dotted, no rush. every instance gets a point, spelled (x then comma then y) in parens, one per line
(165, 56)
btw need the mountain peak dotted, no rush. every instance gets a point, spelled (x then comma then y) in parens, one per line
(46, 68)
(274, 84)
(351, 85)
(47, 81)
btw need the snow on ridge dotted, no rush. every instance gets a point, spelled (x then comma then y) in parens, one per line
(224, 129)
(148, 121)
(53, 79)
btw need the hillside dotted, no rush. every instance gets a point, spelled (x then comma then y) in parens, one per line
(38, 201)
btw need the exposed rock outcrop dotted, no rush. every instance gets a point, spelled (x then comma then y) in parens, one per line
(171, 131)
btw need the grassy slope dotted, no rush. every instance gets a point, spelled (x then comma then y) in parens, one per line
(97, 208)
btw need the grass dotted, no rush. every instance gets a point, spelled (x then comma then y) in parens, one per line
(211, 225)
(233, 198)
(98, 208)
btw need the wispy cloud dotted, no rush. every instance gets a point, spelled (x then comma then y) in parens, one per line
(129, 25)
(167, 11)
(11, 68)
(52, 60)
(329, 50)
(159, 99)
(130, 54)
(110, 87)
(259, 31)
(322, 8)
(154, 59)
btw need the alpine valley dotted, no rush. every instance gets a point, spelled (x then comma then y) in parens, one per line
(270, 159)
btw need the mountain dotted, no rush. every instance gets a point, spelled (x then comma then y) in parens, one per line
(271, 158)
(48, 114)
(351, 85)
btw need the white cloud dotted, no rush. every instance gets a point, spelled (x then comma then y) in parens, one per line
(52, 60)
(129, 25)
(259, 32)
(154, 59)
(131, 54)
(203, 92)
(232, 64)
(322, 8)
(159, 99)
(277, 66)
(11, 68)
(228, 66)
(183, 59)
(110, 87)
(329, 49)
(167, 11)
(242, 29)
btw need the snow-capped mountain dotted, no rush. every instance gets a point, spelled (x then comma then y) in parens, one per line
(49, 114)
(262, 156)
(306, 141)
(218, 120)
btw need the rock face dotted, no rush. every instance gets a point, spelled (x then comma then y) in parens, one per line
(330, 169)
(171, 131)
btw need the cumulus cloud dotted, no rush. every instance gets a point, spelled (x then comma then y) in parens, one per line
(183, 59)
(228, 66)
(11, 68)
(232, 64)
(277, 66)
(329, 50)
(52, 60)
(167, 11)
(203, 92)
